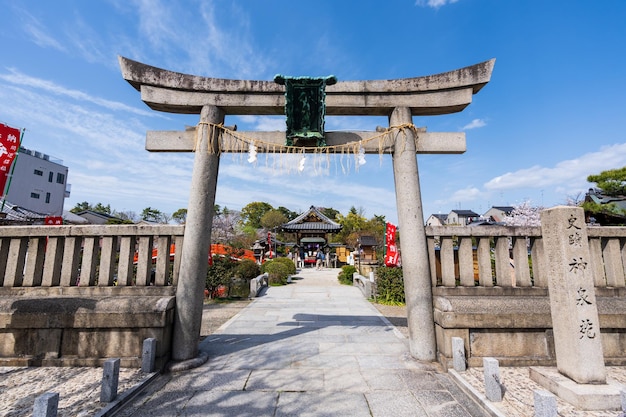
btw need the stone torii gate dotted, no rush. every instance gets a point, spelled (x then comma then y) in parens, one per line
(214, 98)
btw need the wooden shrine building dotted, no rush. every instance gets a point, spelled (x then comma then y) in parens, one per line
(312, 230)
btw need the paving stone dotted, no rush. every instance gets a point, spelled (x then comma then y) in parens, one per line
(394, 404)
(286, 380)
(326, 404)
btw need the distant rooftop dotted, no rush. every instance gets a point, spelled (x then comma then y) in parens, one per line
(40, 155)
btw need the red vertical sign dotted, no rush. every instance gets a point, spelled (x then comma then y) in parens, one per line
(391, 256)
(9, 145)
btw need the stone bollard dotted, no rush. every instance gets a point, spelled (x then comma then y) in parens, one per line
(494, 390)
(545, 404)
(148, 354)
(46, 405)
(458, 354)
(623, 397)
(110, 378)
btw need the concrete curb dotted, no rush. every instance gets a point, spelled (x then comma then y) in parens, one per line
(122, 399)
(474, 394)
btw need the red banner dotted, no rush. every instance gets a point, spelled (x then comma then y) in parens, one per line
(54, 221)
(391, 249)
(9, 145)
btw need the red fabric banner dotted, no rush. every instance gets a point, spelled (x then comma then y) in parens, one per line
(9, 145)
(54, 221)
(391, 252)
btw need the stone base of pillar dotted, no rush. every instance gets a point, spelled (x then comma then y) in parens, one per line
(583, 396)
(189, 363)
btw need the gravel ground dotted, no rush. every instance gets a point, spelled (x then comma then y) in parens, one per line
(79, 387)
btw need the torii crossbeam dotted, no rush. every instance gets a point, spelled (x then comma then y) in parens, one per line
(214, 98)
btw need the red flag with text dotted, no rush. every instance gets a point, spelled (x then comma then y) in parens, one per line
(9, 145)
(54, 221)
(391, 252)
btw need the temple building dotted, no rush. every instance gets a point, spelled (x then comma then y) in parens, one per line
(312, 230)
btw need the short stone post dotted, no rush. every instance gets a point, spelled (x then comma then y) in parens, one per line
(148, 354)
(575, 321)
(493, 388)
(545, 403)
(110, 378)
(458, 354)
(623, 397)
(46, 405)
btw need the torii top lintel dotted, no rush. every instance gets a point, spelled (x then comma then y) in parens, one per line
(175, 92)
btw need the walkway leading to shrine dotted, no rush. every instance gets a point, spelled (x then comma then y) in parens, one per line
(311, 348)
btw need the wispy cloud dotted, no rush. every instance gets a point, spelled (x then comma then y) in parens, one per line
(567, 177)
(37, 32)
(17, 78)
(474, 124)
(264, 123)
(435, 4)
(572, 171)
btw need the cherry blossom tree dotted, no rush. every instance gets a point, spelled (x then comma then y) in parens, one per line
(524, 214)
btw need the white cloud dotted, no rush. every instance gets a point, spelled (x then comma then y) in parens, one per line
(435, 4)
(476, 123)
(465, 195)
(572, 172)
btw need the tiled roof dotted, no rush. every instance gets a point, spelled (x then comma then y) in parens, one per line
(313, 219)
(17, 214)
(368, 241)
(466, 213)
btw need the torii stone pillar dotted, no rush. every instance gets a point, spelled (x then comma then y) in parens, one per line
(197, 238)
(214, 98)
(415, 264)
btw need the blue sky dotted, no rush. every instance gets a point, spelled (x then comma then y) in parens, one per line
(552, 114)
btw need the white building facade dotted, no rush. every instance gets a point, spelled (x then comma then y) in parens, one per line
(38, 183)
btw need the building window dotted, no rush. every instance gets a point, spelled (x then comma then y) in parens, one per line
(47, 198)
(60, 178)
(39, 172)
(34, 195)
(50, 176)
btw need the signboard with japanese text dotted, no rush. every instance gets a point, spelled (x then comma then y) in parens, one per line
(54, 221)
(9, 145)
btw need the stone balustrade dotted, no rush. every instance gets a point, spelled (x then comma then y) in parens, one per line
(87, 256)
(507, 256)
(78, 295)
(490, 289)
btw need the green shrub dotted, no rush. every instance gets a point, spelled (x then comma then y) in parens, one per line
(219, 274)
(390, 286)
(291, 267)
(277, 272)
(346, 275)
(247, 269)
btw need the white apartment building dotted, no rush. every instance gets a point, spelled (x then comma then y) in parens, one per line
(38, 183)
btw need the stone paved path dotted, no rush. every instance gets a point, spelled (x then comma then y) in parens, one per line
(311, 348)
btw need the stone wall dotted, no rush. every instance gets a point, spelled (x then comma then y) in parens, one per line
(514, 325)
(61, 326)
